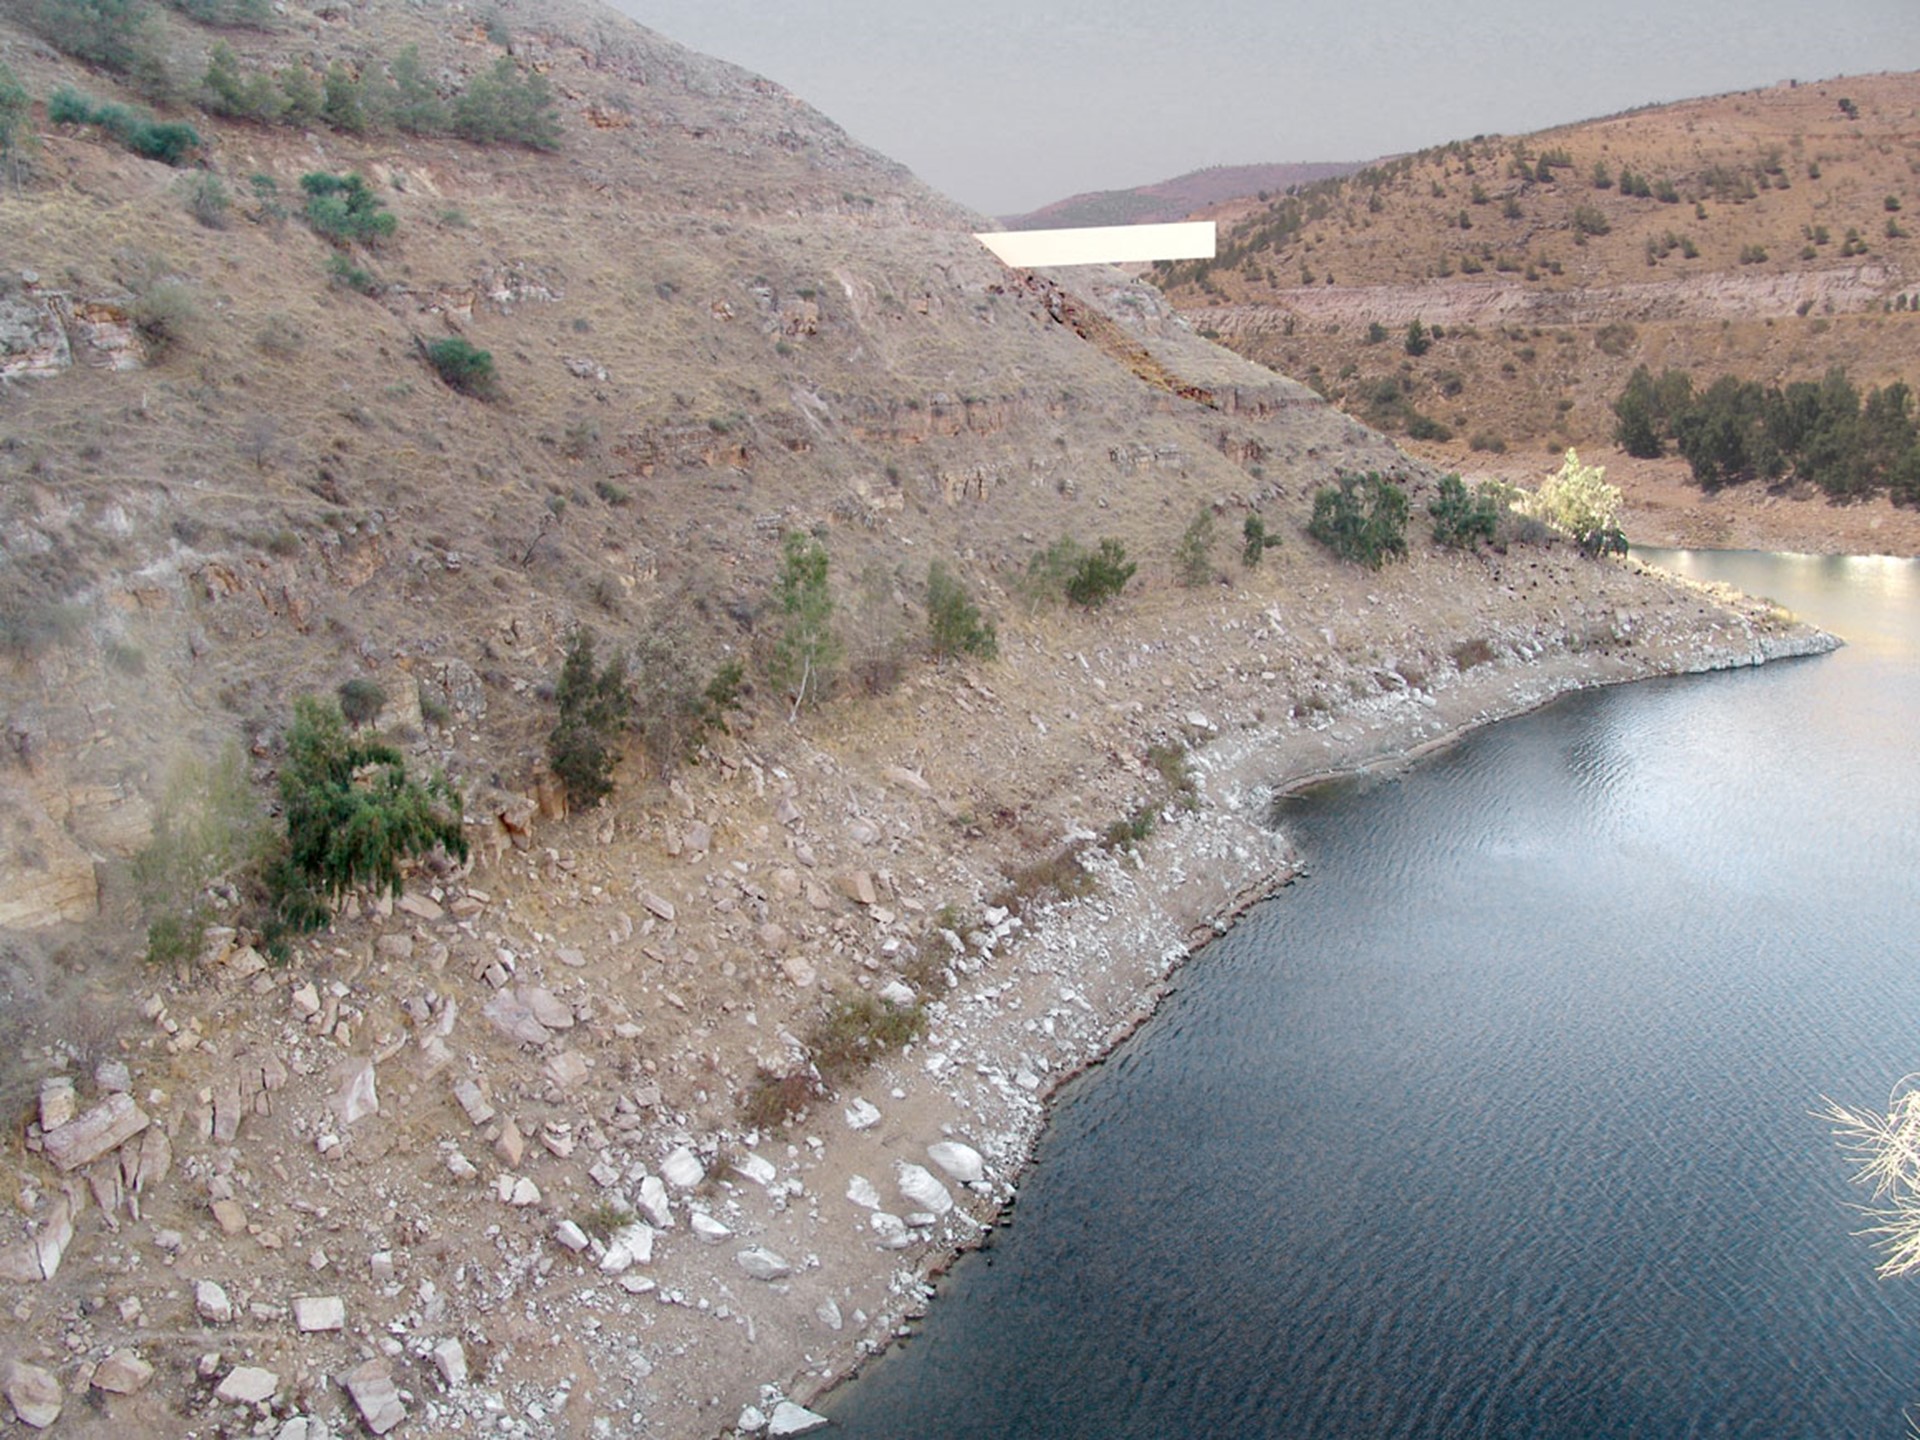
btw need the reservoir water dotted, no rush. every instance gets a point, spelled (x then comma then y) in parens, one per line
(1500, 1123)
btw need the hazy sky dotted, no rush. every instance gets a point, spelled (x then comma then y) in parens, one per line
(1007, 104)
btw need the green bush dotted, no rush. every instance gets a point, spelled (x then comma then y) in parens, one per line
(1048, 571)
(806, 651)
(360, 700)
(207, 199)
(166, 314)
(169, 142)
(672, 710)
(506, 106)
(1418, 341)
(1255, 541)
(1461, 520)
(1193, 555)
(1100, 576)
(344, 210)
(596, 706)
(1362, 519)
(117, 34)
(352, 815)
(466, 368)
(227, 89)
(954, 626)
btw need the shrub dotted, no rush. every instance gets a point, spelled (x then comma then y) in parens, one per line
(207, 199)
(352, 815)
(1461, 520)
(1193, 555)
(954, 626)
(166, 314)
(463, 366)
(1418, 341)
(595, 706)
(1590, 220)
(117, 34)
(344, 210)
(1049, 570)
(504, 105)
(1577, 500)
(857, 1030)
(226, 89)
(1100, 576)
(342, 271)
(360, 700)
(1615, 339)
(1488, 442)
(169, 142)
(1255, 541)
(207, 823)
(1362, 519)
(806, 652)
(671, 708)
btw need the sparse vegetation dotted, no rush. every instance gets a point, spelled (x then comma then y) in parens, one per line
(1363, 518)
(1255, 541)
(345, 210)
(168, 141)
(1193, 554)
(954, 626)
(1576, 499)
(806, 651)
(464, 366)
(596, 707)
(1100, 575)
(1462, 520)
(360, 700)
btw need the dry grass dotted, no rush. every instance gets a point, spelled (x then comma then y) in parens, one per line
(1886, 1148)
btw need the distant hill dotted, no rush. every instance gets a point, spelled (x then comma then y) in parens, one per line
(1768, 233)
(1175, 199)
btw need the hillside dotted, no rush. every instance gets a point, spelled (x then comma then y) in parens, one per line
(1768, 234)
(594, 1123)
(1174, 199)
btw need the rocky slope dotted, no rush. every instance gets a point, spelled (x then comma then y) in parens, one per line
(477, 1158)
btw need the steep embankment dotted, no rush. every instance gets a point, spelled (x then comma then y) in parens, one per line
(420, 1154)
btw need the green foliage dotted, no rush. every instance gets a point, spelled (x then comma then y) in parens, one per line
(1376, 332)
(207, 823)
(1048, 571)
(858, 1030)
(116, 34)
(228, 14)
(344, 210)
(1255, 541)
(305, 101)
(954, 626)
(672, 710)
(1418, 341)
(1589, 220)
(207, 199)
(343, 271)
(806, 651)
(416, 107)
(506, 106)
(1100, 576)
(226, 89)
(463, 366)
(1646, 408)
(343, 101)
(352, 814)
(1193, 555)
(1577, 499)
(596, 706)
(360, 700)
(1461, 520)
(169, 142)
(1363, 519)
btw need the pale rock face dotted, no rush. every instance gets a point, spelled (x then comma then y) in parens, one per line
(751, 1422)
(889, 1230)
(210, 1302)
(918, 1185)
(828, 1314)
(357, 1096)
(315, 1313)
(862, 1115)
(571, 1236)
(105, 1127)
(654, 1203)
(897, 992)
(374, 1393)
(861, 1192)
(756, 1169)
(630, 1245)
(122, 1373)
(708, 1230)
(451, 1359)
(247, 1385)
(35, 1395)
(962, 1162)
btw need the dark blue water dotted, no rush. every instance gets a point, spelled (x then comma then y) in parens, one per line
(1500, 1124)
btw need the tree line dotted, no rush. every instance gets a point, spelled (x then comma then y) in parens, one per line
(1825, 432)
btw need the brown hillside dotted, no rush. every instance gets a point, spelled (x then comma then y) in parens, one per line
(1175, 199)
(1776, 240)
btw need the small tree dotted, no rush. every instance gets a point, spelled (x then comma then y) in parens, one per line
(1418, 340)
(1255, 541)
(595, 706)
(1577, 499)
(504, 105)
(15, 110)
(1100, 576)
(806, 651)
(353, 815)
(954, 626)
(343, 209)
(1193, 555)
(1362, 519)
(360, 700)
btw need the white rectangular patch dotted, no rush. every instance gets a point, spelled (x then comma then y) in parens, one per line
(1102, 244)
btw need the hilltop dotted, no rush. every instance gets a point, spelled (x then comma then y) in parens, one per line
(378, 352)
(1768, 234)
(1175, 199)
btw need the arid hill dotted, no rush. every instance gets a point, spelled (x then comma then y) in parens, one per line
(1177, 198)
(1768, 234)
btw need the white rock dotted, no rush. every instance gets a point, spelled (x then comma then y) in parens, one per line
(451, 1358)
(760, 1171)
(962, 1162)
(791, 1419)
(654, 1204)
(571, 1236)
(897, 992)
(210, 1302)
(35, 1395)
(861, 1192)
(683, 1169)
(524, 1192)
(247, 1385)
(891, 1230)
(378, 1398)
(122, 1373)
(630, 1245)
(862, 1115)
(708, 1230)
(751, 1421)
(356, 1098)
(763, 1264)
(828, 1314)
(916, 1182)
(313, 1313)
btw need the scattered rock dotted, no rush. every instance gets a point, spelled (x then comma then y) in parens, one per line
(567, 1069)
(708, 1230)
(315, 1313)
(473, 1100)
(451, 1359)
(247, 1385)
(630, 1245)
(419, 906)
(35, 1395)
(683, 1169)
(862, 1115)
(763, 1264)
(357, 1097)
(512, 1145)
(58, 1103)
(799, 971)
(828, 1314)
(898, 992)
(661, 908)
(962, 1162)
(211, 1304)
(908, 779)
(654, 1204)
(375, 1395)
(791, 1419)
(571, 1236)
(512, 1017)
(122, 1373)
(861, 1192)
(891, 1230)
(546, 1007)
(754, 1168)
(751, 1421)
(918, 1185)
(108, 1125)
(857, 886)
